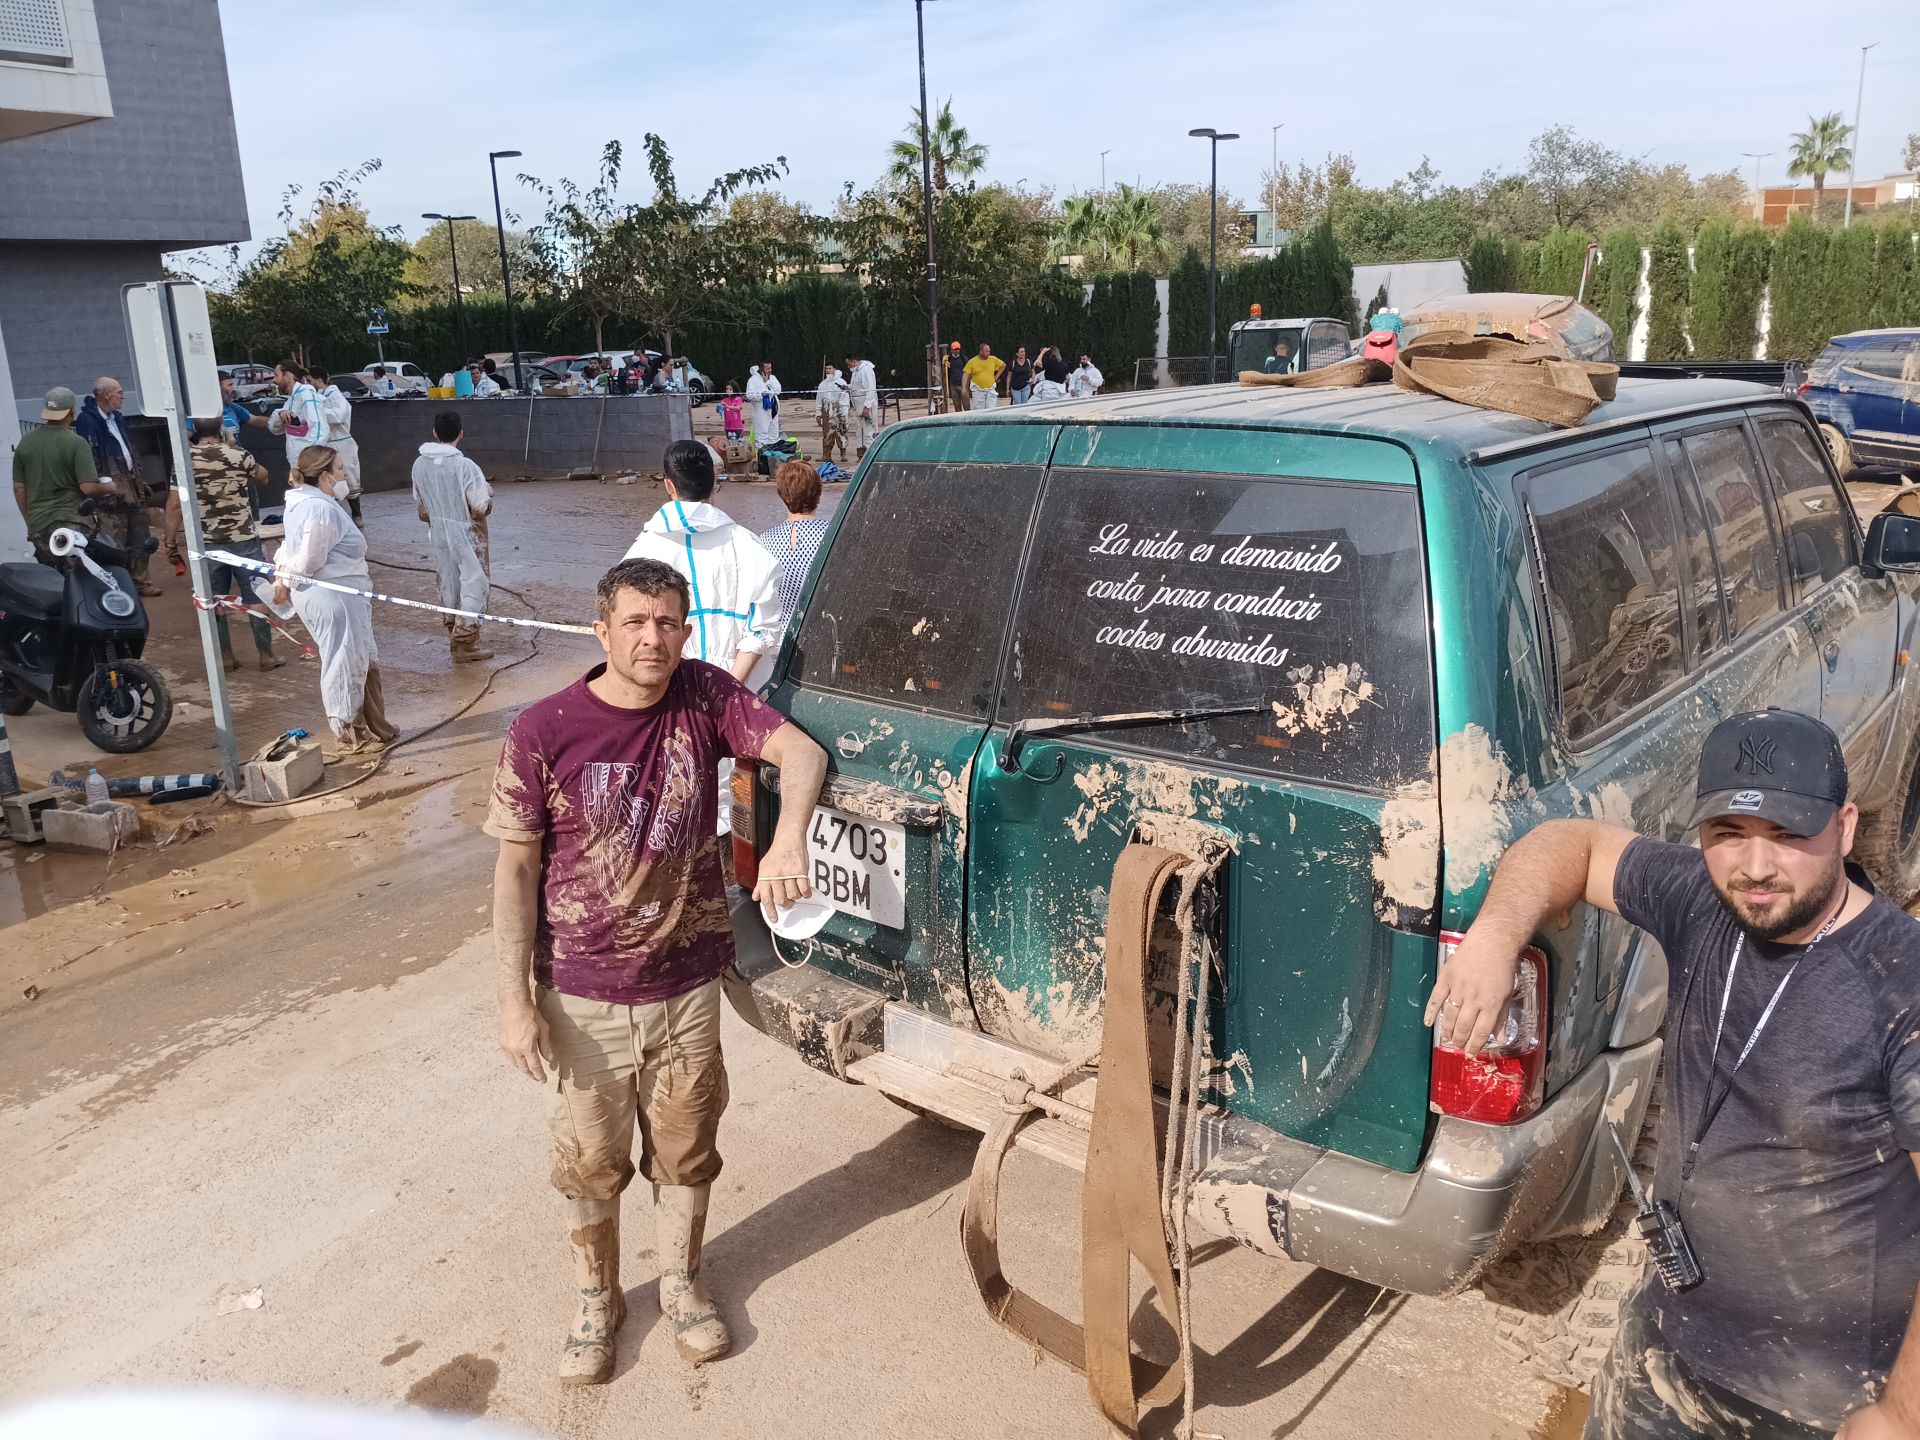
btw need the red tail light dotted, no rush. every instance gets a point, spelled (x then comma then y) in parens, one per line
(746, 860)
(1803, 387)
(1506, 1081)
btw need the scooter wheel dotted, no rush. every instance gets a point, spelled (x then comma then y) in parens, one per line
(124, 706)
(12, 701)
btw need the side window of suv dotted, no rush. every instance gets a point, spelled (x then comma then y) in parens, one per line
(1702, 566)
(1882, 359)
(1737, 511)
(1607, 544)
(1816, 520)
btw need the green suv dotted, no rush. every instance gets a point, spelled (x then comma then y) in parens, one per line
(1359, 639)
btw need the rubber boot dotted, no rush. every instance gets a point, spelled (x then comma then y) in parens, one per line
(593, 1231)
(680, 1222)
(466, 650)
(269, 660)
(373, 713)
(229, 662)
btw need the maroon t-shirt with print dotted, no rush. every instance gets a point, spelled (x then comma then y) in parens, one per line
(624, 803)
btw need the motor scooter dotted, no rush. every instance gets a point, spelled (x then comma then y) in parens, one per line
(71, 635)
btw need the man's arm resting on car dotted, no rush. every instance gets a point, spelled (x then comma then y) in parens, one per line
(516, 910)
(1543, 873)
(803, 770)
(1896, 1414)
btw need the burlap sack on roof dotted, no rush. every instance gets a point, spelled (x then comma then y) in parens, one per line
(1494, 373)
(1491, 372)
(1357, 371)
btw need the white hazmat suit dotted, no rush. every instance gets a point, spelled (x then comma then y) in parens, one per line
(322, 543)
(762, 422)
(337, 411)
(453, 497)
(863, 393)
(736, 592)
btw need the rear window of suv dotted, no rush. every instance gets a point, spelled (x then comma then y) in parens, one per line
(913, 608)
(1153, 591)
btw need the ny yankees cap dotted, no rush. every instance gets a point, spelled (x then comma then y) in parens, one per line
(1777, 764)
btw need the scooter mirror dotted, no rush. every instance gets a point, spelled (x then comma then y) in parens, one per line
(64, 542)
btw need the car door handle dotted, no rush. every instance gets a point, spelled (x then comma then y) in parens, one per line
(1844, 389)
(1832, 652)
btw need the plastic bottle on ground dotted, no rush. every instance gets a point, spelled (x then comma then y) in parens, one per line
(96, 788)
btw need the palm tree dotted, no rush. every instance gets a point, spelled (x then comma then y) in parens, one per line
(1083, 225)
(1133, 222)
(955, 154)
(1819, 148)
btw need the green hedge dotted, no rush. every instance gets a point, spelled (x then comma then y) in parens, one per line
(1669, 293)
(1492, 263)
(1730, 266)
(1615, 290)
(1563, 256)
(1798, 326)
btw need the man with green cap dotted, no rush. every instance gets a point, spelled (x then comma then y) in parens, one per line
(53, 471)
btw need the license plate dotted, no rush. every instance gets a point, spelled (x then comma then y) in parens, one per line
(859, 866)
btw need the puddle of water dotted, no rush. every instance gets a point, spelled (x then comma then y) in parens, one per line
(1566, 1417)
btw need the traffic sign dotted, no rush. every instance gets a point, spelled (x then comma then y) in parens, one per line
(376, 329)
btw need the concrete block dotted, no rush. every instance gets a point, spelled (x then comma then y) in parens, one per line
(21, 813)
(101, 828)
(292, 774)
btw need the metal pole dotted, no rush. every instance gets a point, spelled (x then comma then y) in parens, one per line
(202, 587)
(1103, 170)
(939, 373)
(1213, 259)
(506, 284)
(9, 778)
(459, 311)
(1853, 150)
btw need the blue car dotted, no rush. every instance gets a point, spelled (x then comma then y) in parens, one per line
(1865, 392)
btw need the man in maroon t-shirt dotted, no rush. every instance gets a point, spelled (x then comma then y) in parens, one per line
(609, 897)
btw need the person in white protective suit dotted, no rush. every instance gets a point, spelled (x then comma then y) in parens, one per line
(322, 543)
(763, 405)
(737, 616)
(452, 495)
(337, 411)
(863, 396)
(299, 420)
(1086, 381)
(830, 407)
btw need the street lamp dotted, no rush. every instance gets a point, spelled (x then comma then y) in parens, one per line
(1853, 151)
(926, 204)
(1759, 199)
(506, 285)
(1103, 170)
(1213, 139)
(459, 313)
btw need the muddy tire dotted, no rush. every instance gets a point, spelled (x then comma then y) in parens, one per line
(1839, 448)
(1556, 1303)
(123, 707)
(1888, 842)
(12, 701)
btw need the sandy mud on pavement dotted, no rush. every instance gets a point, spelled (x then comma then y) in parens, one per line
(257, 1133)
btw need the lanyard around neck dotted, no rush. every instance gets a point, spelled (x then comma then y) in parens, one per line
(1710, 1108)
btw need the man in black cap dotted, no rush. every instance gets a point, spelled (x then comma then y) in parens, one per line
(1791, 1111)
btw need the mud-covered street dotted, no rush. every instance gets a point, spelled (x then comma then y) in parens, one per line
(260, 1060)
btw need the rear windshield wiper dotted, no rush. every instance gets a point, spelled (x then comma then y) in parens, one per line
(1022, 731)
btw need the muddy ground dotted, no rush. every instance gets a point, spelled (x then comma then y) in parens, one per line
(262, 1058)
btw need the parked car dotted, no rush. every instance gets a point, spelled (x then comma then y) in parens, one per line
(249, 380)
(1354, 641)
(408, 378)
(1555, 319)
(354, 387)
(1865, 392)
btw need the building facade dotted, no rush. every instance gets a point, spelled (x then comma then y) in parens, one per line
(117, 145)
(1874, 199)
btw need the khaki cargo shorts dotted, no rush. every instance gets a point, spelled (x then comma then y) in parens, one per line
(615, 1065)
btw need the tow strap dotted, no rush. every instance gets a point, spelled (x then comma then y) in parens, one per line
(1121, 1198)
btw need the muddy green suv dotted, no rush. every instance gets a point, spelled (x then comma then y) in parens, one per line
(1357, 639)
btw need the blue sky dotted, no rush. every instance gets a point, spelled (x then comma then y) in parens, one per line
(1046, 86)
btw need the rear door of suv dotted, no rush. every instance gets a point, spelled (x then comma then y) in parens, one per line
(1179, 568)
(892, 670)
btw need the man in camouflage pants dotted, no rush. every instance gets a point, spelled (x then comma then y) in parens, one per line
(222, 473)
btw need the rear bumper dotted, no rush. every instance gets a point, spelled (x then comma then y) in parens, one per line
(1482, 1190)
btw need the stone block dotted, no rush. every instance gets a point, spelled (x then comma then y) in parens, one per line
(291, 775)
(21, 813)
(101, 828)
